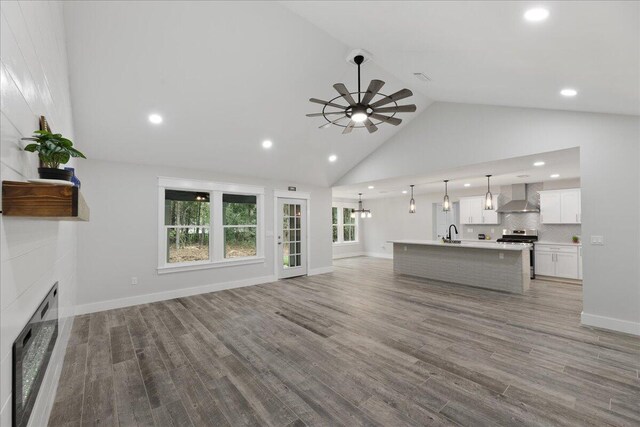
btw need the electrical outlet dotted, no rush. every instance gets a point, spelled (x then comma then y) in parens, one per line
(597, 240)
(493, 230)
(469, 230)
(405, 249)
(501, 255)
(134, 280)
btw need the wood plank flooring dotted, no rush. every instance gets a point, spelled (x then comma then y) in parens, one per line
(360, 346)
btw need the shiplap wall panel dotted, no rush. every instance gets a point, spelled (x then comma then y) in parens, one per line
(34, 253)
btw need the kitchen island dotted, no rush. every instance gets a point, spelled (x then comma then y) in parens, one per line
(496, 266)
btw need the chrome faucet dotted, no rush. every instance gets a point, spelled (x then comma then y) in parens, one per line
(449, 233)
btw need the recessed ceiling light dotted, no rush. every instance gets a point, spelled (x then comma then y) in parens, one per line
(404, 191)
(538, 164)
(371, 187)
(568, 92)
(155, 118)
(333, 158)
(555, 175)
(467, 185)
(267, 143)
(536, 14)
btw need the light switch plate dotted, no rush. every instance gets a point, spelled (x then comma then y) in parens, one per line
(597, 240)
(501, 255)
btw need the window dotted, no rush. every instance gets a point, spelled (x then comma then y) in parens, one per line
(187, 224)
(205, 224)
(349, 226)
(240, 224)
(344, 228)
(334, 222)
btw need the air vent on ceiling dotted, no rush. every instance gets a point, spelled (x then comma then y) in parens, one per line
(422, 76)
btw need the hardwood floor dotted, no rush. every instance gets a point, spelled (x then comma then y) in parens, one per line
(359, 346)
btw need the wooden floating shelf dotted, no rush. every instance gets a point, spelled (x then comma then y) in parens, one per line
(45, 201)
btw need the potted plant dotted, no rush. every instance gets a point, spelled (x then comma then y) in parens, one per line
(53, 150)
(575, 239)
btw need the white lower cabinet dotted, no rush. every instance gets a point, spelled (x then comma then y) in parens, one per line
(558, 261)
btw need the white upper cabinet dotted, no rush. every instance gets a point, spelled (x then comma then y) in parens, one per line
(472, 211)
(492, 216)
(570, 206)
(560, 206)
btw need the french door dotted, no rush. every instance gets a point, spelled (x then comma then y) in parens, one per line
(292, 237)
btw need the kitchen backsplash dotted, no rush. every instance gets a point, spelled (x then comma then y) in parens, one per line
(557, 233)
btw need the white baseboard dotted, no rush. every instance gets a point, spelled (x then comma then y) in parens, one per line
(348, 255)
(379, 255)
(177, 293)
(321, 270)
(610, 323)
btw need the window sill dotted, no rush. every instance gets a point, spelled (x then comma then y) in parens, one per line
(346, 243)
(209, 264)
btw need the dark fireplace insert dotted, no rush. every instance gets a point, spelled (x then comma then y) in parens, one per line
(31, 354)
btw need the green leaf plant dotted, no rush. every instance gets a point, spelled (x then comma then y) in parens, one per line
(52, 148)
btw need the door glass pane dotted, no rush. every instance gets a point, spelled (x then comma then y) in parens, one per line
(291, 234)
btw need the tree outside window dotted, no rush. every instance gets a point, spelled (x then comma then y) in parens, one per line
(240, 219)
(187, 222)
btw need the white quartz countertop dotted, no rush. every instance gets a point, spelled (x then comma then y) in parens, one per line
(464, 244)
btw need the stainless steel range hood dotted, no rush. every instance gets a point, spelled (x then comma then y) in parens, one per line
(519, 202)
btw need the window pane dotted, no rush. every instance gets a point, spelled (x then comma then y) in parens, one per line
(346, 216)
(239, 242)
(349, 233)
(334, 216)
(335, 233)
(187, 244)
(239, 209)
(186, 208)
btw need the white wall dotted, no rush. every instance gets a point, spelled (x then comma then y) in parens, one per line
(449, 135)
(391, 220)
(121, 239)
(34, 253)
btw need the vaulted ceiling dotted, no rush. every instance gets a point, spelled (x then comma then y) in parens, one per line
(224, 76)
(227, 75)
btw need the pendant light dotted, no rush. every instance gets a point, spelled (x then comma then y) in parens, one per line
(412, 202)
(364, 213)
(488, 198)
(446, 204)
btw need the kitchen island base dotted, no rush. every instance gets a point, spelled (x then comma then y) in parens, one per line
(499, 268)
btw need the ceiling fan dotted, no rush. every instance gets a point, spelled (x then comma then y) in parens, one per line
(365, 110)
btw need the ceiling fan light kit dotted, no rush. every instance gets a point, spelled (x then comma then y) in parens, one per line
(365, 112)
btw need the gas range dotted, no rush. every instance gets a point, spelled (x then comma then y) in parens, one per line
(522, 237)
(518, 236)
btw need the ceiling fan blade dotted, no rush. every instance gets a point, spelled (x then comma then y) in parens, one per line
(325, 114)
(342, 90)
(401, 94)
(349, 127)
(399, 109)
(391, 120)
(372, 90)
(331, 104)
(370, 126)
(326, 125)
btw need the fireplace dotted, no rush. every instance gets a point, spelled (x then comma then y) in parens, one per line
(31, 353)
